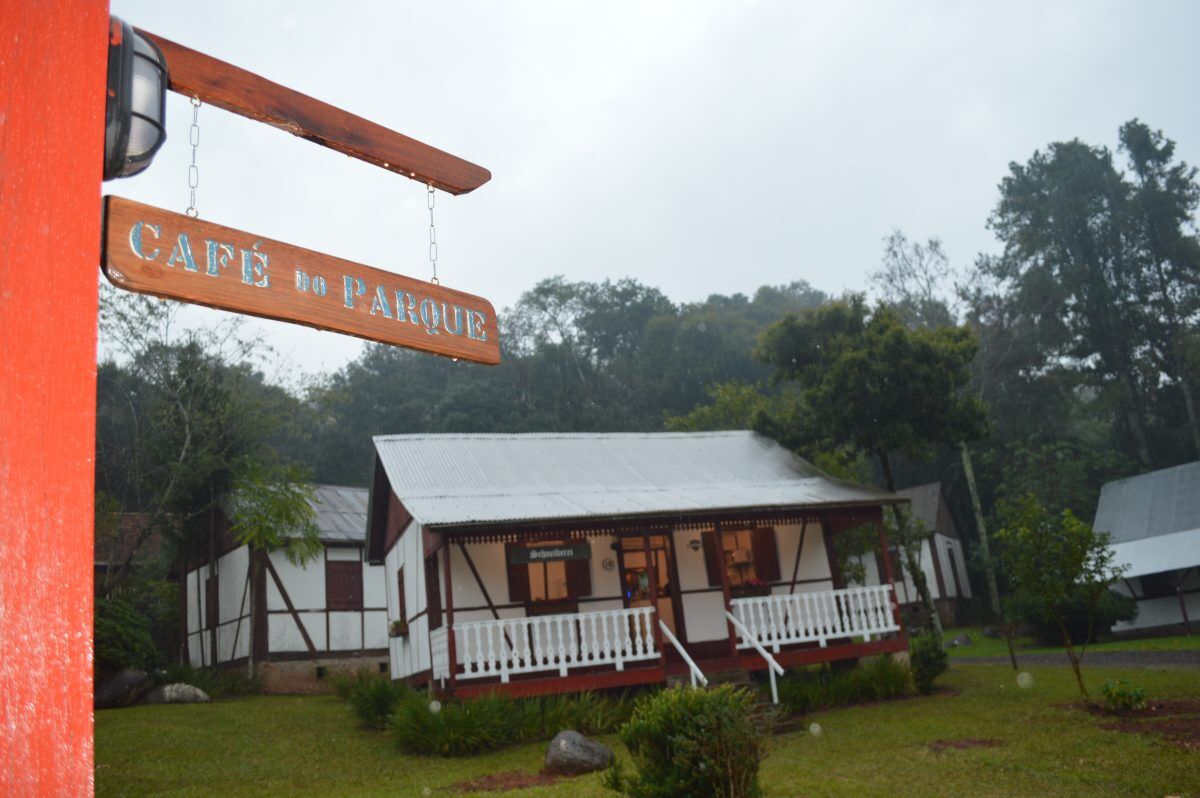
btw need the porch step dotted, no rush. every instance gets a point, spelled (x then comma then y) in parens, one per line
(775, 720)
(736, 676)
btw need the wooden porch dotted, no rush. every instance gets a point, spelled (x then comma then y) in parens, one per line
(618, 648)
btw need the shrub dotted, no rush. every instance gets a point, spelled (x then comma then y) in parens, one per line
(806, 689)
(495, 720)
(457, 728)
(694, 743)
(123, 637)
(1121, 696)
(345, 681)
(375, 697)
(889, 677)
(929, 661)
(1032, 610)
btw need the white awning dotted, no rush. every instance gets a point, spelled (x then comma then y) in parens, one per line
(1159, 553)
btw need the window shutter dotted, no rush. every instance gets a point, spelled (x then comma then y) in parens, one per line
(212, 609)
(403, 605)
(343, 585)
(579, 576)
(766, 554)
(518, 577)
(433, 593)
(712, 558)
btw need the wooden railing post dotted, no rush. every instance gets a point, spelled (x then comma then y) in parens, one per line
(451, 643)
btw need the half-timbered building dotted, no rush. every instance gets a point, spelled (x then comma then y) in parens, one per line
(544, 563)
(298, 622)
(1153, 524)
(943, 559)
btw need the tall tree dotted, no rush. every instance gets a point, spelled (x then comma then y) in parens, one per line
(1100, 271)
(917, 280)
(871, 384)
(1161, 238)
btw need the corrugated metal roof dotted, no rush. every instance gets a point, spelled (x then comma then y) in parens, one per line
(464, 479)
(1149, 505)
(341, 513)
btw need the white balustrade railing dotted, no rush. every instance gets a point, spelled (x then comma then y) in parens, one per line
(780, 620)
(510, 646)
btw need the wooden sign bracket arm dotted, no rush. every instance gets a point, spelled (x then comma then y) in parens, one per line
(239, 91)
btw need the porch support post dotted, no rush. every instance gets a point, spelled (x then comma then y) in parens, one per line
(835, 573)
(51, 147)
(451, 645)
(1179, 579)
(726, 591)
(887, 571)
(652, 575)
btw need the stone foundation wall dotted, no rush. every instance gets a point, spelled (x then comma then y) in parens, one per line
(309, 677)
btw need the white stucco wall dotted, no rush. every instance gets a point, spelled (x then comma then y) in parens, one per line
(306, 588)
(407, 655)
(233, 609)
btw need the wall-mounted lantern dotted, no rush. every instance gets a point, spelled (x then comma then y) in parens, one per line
(137, 99)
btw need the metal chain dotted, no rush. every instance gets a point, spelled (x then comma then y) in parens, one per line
(430, 201)
(193, 170)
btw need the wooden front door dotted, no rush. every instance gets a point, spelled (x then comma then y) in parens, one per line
(635, 578)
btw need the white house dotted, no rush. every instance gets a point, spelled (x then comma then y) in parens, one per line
(557, 562)
(943, 557)
(1154, 523)
(298, 622)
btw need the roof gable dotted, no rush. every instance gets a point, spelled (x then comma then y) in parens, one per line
(929, 507)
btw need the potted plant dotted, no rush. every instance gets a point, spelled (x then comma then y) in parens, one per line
(398, 628)
(752, 587)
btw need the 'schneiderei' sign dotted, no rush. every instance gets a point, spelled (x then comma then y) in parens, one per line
(558, 552)
(152, 251)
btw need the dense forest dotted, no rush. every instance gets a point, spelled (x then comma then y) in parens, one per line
(1077, 339)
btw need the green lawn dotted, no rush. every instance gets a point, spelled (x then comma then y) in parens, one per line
(988, 647)
(311, 746)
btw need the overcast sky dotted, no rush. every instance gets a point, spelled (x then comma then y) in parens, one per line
(701, 147)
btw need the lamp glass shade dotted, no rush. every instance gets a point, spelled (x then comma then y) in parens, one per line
(137, 88)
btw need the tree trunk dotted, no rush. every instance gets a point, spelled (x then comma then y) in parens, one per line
(250, 575)
(989, 568)
(1134, 418)
(1074, 658)
(1190, 404)
(911, 562)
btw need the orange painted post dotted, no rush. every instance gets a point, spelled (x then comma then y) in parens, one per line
(52, 88)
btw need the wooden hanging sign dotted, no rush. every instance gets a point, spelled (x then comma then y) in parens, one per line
(171, 255)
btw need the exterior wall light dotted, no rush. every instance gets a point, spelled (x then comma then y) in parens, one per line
(694, 545)
(136, 104)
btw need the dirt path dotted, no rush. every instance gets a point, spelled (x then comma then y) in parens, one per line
(1118, 659)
